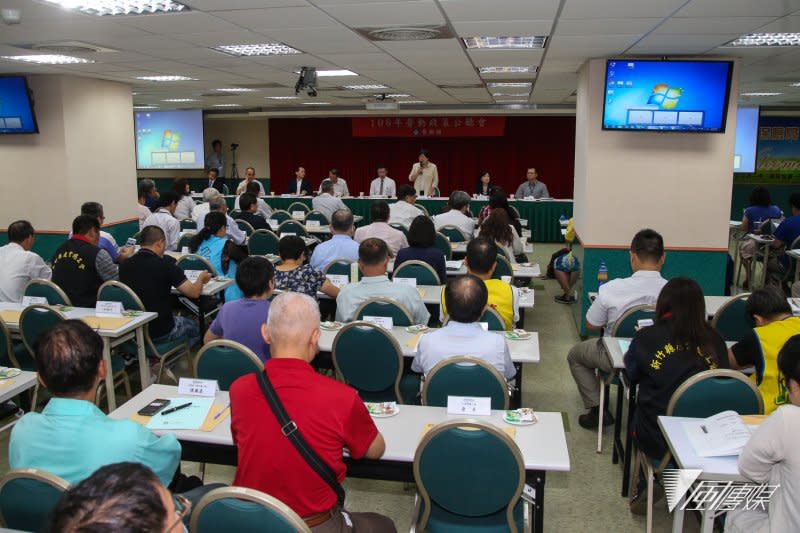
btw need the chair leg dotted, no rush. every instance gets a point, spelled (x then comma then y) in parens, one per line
(649, 473)
(600, 414)
(127, 384)
(35, 398)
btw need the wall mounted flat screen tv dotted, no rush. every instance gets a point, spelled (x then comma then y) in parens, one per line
(16, 106)
(744, 155)
(169, 139)
(671, 96)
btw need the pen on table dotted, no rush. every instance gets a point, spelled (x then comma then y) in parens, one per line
(221, 411)
(704, 429)
(177, 408)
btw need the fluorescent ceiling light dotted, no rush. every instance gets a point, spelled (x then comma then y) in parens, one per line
(226, 105)
(49, 59)
(281, 97)
(525, 42)
(333, 73)
(121, 7)
(261, 49)
(510, 85)
(316, 103)
(413, 102)
(398, 95)
(179, 100)
(145, 107)
(761, 94)
(506, 70)
(795, 84)
(518, 95)
(766, 39)
(375, 87)
(236, 90)
(165, 78)
(512, 101)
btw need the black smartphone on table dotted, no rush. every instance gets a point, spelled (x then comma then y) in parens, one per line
(153, 407)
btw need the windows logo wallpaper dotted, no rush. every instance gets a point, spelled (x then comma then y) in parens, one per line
(664, 96)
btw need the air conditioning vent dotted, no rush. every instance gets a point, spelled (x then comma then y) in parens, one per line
(406, 33)
(69, 47)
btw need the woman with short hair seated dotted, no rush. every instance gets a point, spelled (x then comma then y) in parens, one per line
(422, 247)
(292, 274)
(212, 244)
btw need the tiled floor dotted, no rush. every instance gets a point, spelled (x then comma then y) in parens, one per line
(587, 498)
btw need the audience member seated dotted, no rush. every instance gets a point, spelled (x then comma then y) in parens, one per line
(466, 297)
(785, 234)
(241, 320)
(326, 203)
(481, 261)
(680, 344)
(202, 209)
(185, 207)
(80, 266)
(422, 247)
(124, 497)
(71, 437)
(771, 457)
(18, 263)
(151, 275)
(293, 275)
(340, 189)
(148, 196)
(249, 211)
(213, 244)
(498, 227)
(262, 209)
(383, 185)
(567, 268)
(249, 177)
(380, 229)
(458, 215)
(760, 210)
(329, 416)
(498, 200)
(403, 210)
(218, 205)
(373, 258)
(341, 244)
(613, 299)
(106, 242)
(164, 218)
(760, 346)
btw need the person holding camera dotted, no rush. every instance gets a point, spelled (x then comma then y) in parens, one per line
(216, 161)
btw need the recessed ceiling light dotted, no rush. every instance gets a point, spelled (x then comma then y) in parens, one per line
(397, 95)
(281, 97)
(761, 94)
(261, 49)
(506, 70)
(316, 103)
(226, 105)
(505, 42)
(766, 39)
(332, 73)
(145, 107)
(510, 85)
(512, 101)
(375, 87)
(49, 59)
(236, 90)
(795, 84)
(413, 102)
(179, 100)
(165, 78)
(120, 7)
(518, 95)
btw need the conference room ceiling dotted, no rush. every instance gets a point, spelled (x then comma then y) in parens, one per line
(333, 34)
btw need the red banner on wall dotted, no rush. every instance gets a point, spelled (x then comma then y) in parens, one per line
(429, 127)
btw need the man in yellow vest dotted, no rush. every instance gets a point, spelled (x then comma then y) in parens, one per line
(481, 262)
(760, 347)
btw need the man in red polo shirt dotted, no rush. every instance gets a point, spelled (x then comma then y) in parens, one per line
(329, 415)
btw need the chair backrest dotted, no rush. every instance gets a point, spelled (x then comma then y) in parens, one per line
(115, 291)
(493, 318)
(731, 319)
(137, 237)
(713, 391)
(244, 511)
(464, 376)
(454, 463)
(400, 227)
(7, 357)
(453, 233)
(28, 496)
(185, 239)
(443, 244)
(281, 215)
(503, 268)
(318, 216)
(370, 360)
(245, 226)
(234, 214)
(292, 226)
(188, 223)
(225, 189)
(34, 320)
(419, 270)
(263, 242)
(514, 211)
(226, 361)
(196, 262)
(436, 192)
(339, 267)
(47, 289)
(765, 228)
(298, 206)
(423, 209)
(385, 307)
(625, 326)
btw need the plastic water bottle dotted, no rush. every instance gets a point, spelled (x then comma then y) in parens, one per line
(602, 274)
(562, 219)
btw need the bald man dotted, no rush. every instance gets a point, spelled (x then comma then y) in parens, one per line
(329, 415)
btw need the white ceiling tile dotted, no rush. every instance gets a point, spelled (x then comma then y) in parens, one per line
(177, 23)
(227, 5)
(739, 8)
(503, 28)
(782, 25)
(711, 26)
(481, 10)
(333, 40)
(278, 18)
(386, 13)
(215, 38)
(684, 44)
(606, 26)
(590, 9)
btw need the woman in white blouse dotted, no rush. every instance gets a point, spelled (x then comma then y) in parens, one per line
(185, 208)
(424, 174)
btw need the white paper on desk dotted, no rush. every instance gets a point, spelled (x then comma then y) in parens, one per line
(411, 282)
(191, 417)
(340, 280)
(274, 222)
(192, 275)
(453, 265)
(721, 435)
(624, 345)
(467, 405)
(794, 303)
(34, 300)
(312, 224)
(287, 235)
(108, 308)
(385, 322)
(298, 215)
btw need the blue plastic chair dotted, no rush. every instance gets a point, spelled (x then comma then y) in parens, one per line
(244, 511)
(464, 376)
(28, 496)
(225, 361)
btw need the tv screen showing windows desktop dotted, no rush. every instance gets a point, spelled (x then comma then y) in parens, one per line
(16, 108)
(169, 139)
(671, 96)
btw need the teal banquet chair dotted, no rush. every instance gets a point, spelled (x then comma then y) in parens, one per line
(493, 318)
(263, 242)
(399, 227)
(10, 353)
(319, 217)
(47, 289)
(28, 496)
(244, 511)
(188, 224)
(281, 216)
(464, 376)
(503, 267)
(454, 233)
(225, 361)
(339, 267)
(298, 206)
(245, 226)
(731, 320)
(385, 307)
(443, 244)
(196, 262)
(185, 239)
(292, 226)
(419, 270)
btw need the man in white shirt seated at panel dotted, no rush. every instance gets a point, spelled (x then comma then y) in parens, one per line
(340, 189)
(249, 177)
(164, 218)
(326, 203)
(380, 229)
(458, 215)
(18, 264)
(262, 209)
(613, 299)
(466, 297)
(383, 185)
(373, 258)
(233, 231)
(403, 210)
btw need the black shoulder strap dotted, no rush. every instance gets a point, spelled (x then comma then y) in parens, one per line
(289, 429)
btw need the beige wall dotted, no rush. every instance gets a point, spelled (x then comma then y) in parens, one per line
(676, 183)
(252, 136)
(81, 153)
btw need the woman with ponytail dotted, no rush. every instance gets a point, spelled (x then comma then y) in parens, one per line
(212, 244)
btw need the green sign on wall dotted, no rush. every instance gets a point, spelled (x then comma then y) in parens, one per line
(778, 153)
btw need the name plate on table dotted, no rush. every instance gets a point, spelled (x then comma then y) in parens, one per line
(298, 215)
(273, 222)
(484, 325)
(453, 265)
(312, 224)
(192, 275)
(467, 405)
(411, 282)
(287, 235)
(108, 308)
(198, 387)
(644, 322)
(34, 300)
(385, 322)
(340, 280)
